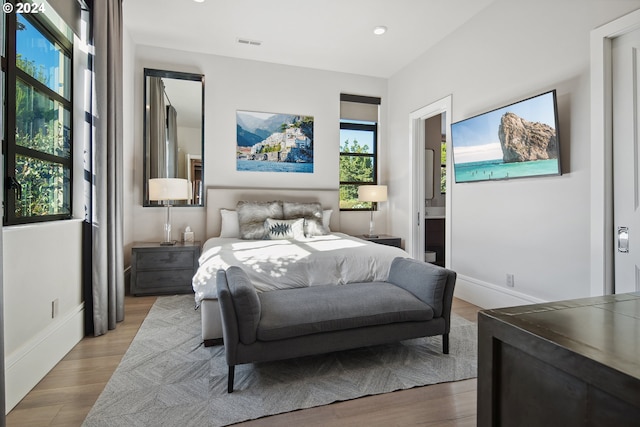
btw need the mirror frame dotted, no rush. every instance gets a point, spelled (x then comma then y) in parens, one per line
(151, 72)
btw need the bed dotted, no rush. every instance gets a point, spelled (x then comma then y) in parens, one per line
(333, 258)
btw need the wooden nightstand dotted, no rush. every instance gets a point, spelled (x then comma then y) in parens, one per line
(384, 239)
(159, 269)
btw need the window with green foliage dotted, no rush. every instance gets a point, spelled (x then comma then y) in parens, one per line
(358, 162)
(38, 130)
(358, 148)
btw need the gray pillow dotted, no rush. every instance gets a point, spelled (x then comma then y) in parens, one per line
(279, 229)
(251, 217)
(312, 214)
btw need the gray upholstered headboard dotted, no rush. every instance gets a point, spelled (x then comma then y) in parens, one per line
(227, 198)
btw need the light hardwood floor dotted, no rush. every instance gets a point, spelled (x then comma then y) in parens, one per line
(65, 396)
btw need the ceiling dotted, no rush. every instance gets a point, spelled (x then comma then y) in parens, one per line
(335, 35)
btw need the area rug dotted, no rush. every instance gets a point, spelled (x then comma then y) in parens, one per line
(168, 378)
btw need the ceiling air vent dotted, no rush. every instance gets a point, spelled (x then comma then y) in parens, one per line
(250, 42)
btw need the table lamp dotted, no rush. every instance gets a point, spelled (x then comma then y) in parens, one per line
(372, 193)
(167, 190)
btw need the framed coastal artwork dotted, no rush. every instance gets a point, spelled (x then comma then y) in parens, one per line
(516, 141)
(274, 142)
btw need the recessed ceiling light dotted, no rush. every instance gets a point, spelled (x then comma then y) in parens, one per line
(379, 30)
(199, 1)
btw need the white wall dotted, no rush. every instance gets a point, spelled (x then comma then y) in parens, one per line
(42, 263)
(234, 84)
(535, 228)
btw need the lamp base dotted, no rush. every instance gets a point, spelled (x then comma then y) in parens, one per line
(371, 236)
(171, 243)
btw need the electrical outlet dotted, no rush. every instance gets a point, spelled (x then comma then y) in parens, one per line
(510, 280)
(54, 308)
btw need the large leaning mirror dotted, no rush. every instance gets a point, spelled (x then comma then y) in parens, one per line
(174, 131)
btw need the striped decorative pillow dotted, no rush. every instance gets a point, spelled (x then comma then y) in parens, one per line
(278, 229)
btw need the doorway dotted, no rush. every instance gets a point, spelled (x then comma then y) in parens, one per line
(602, 223)
(422, 206)
(435, 188)
(626, 172)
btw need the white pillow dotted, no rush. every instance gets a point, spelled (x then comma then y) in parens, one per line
(230, 227)
(279, 229)
(326, 218)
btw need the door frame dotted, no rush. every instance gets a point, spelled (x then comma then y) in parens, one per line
(417, 118)
(602, 236)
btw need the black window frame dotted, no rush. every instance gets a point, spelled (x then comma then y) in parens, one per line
(369, 127)
(10, 149)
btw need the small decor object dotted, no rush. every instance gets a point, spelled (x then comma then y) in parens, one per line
(372, 193)
(519, 140)
(168, 190)
(271, 142)
(187, 236)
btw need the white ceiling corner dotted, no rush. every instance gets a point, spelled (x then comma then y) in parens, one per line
(335, 35)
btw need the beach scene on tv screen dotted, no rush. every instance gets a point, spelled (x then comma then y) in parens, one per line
(516, 141)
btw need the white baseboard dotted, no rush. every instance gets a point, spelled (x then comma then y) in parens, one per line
(29, 364)
(487, 295)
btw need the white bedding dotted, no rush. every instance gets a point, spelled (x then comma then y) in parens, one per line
(279, 264)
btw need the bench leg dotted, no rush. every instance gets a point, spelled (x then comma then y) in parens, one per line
(445, 343)
(232, 371)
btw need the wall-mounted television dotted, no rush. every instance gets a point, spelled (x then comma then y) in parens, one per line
(516, 141)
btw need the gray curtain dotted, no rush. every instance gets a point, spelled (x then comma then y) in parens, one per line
(156, 129)
(107, 272)
(172, 142)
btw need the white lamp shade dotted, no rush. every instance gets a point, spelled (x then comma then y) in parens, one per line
(372, 193)
(168, 189)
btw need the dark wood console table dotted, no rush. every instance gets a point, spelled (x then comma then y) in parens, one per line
(567, 363)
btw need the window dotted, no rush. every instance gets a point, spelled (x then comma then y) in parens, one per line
(357, 162)
(358, 148)
(38, 136)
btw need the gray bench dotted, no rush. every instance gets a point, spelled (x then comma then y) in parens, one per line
(415, 301)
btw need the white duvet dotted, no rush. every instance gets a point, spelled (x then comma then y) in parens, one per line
(279, 264)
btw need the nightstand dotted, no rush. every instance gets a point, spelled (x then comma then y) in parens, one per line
(384, 239)
(159, 269)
